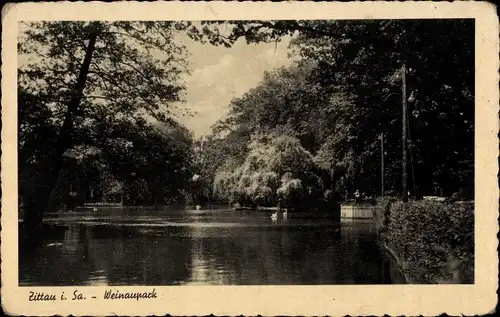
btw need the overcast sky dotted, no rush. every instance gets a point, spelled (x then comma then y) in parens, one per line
(219, 74)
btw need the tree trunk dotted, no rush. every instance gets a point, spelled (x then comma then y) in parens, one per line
(39, 199)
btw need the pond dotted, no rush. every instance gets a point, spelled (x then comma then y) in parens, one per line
(218, 246)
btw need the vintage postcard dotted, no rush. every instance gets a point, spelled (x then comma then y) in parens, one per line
(249, 158)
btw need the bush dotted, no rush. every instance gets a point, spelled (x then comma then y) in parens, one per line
(433, 239)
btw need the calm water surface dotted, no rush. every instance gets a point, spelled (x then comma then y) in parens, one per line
(183, 246)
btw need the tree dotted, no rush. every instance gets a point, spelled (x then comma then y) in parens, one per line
(365, 59)
(290, 102)
(277, 168)
(80, 74)
(152, 162)
(362, 60)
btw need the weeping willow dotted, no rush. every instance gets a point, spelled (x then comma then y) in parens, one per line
(276, 169)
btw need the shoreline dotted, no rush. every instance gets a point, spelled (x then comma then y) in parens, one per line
(397, 260)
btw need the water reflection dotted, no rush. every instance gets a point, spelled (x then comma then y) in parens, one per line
(175, 247)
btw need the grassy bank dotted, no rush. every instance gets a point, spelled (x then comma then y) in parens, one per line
(434, 241)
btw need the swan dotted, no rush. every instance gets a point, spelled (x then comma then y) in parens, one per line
(55, 244)
(94, 209)
(274, 216)
(198, 207)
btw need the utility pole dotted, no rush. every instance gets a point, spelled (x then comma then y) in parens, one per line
(382, 161)
(404, 135)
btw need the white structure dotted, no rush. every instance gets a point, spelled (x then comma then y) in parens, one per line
(358, 211)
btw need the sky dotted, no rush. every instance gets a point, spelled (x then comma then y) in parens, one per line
(219, 74)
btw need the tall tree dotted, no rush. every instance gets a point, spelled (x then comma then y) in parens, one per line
(82, 73)
(276, 168)
(363, 59)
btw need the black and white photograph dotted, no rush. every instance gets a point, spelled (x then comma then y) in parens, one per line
(245, 152)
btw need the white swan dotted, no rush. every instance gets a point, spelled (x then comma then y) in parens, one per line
(94, 209)
(274, 216)
(198, 207)
(55, 244)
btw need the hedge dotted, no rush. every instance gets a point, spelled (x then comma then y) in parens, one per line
(433, 240)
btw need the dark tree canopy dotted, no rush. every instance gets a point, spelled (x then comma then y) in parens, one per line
(96, 84)
(345, 91)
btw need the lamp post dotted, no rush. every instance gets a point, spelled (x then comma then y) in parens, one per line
(382, 162)
(404, 134)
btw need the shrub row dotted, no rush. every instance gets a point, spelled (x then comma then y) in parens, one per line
(433, 240)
